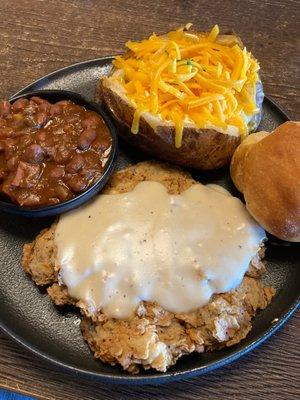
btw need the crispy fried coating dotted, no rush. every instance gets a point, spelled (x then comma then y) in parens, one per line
(154, 337)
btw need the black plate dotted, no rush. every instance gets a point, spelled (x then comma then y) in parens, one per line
(28, 315)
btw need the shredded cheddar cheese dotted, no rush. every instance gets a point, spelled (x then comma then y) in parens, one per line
(183, 77)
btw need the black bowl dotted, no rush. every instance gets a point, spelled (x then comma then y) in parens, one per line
(46, 211)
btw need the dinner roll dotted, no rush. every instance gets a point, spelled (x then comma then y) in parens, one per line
(240, 155)
(266, 169)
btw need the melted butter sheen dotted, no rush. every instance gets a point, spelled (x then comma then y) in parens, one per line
(176, 250)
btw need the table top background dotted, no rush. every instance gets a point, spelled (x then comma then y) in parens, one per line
(37, 37)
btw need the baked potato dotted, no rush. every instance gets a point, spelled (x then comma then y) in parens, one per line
(203, 147)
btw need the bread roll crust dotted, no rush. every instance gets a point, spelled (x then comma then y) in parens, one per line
(240, 155)
(270, 180)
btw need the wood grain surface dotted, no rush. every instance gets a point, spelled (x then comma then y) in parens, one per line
(39, 36)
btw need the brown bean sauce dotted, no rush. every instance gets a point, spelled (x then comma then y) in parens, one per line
(50, 153)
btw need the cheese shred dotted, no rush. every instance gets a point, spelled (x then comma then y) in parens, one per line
(190, 77)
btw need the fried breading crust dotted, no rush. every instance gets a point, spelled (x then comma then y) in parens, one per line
(154, 337)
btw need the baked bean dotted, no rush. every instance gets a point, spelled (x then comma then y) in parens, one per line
(62, 192)
(61, 154)
(63, 103)
(4, 108)
(48, 146)
(6, 132)
(30, 119)
(12, 163)
(41, 118)
(77, 184)
(38, 100)
(31, 200)
(10, 148)
(53, 200)
(41, 136)
(34, 154)
(3, 174)
(44, 107)
(90, 122)
(67, 176)
(76, 164)
(57, 172)
(86, 138)
(100, 145)
(54, 110)
(87, 173)
(49, 152)
(19, 105)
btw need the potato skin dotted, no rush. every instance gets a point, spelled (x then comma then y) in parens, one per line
(203, 149)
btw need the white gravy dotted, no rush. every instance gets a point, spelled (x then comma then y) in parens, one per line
(176, 250)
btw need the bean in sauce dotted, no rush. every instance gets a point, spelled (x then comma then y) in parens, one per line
(49, 153)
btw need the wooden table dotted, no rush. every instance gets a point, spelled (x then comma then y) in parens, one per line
(37, 37)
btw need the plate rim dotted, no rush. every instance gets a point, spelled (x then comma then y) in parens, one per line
(164, 377)
(62, 70)
(157, 377)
